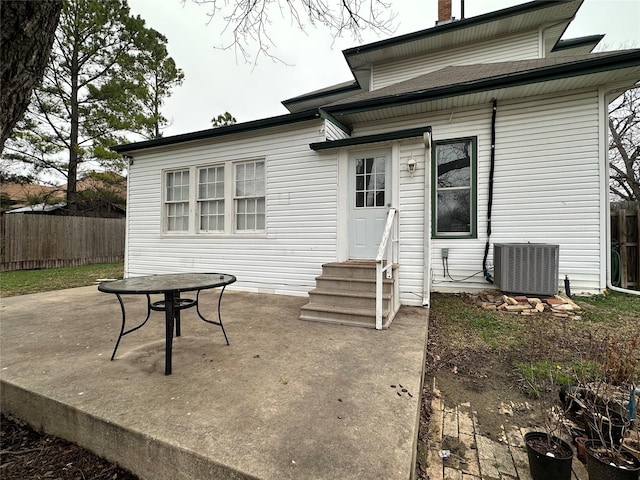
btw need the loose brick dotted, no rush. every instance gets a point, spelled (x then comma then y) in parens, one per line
(554, 301)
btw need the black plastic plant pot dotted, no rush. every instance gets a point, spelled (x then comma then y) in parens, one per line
(601, 467)
(603, 428)
(544, 466)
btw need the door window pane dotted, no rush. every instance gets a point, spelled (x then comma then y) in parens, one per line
(370, 182)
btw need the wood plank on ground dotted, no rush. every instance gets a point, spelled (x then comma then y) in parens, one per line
(435, 469)
(488, 466)
(465, 422)
(579, 470)
(521, 463)
(452, 473)
(504, 461)
(450, 423)
(471, 465)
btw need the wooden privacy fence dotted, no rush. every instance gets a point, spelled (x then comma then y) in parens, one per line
(42, 241)
(625, 243)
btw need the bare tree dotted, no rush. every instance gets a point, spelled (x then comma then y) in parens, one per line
(249, 21)
(624, 146)
(28, 30)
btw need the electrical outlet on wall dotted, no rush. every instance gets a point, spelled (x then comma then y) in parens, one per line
(445, 253)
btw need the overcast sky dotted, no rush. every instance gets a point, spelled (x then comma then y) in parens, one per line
(217, 80)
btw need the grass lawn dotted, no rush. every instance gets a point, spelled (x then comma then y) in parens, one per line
(22, 282)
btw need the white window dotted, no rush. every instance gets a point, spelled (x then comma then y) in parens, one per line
(249, 196)
(223, 198)
(211, 199)
(177, 201)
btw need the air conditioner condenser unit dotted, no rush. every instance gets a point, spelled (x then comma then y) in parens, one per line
(526, 268)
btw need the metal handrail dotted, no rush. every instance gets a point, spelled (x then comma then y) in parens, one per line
(388, 252)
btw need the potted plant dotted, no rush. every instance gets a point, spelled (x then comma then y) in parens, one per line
(608, 409)
(550, 457)
(632, 443)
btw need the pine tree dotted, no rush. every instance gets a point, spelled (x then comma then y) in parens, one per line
(93, 89)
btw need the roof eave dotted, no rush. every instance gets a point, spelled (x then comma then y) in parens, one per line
(583, 67)
(591, 40)
(368, 139)
(353, 85)
(244, 127)
(351, 53)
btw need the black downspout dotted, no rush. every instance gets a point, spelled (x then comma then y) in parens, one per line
(487, 274)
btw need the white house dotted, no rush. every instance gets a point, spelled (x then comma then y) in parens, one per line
(478, 132)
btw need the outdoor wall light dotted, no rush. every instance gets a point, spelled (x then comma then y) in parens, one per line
(411, 166)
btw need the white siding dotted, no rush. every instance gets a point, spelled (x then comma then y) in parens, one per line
(516, 47)
(546, 188)
(301, 214)
(546, 191)
(332, 132)
(412, 224)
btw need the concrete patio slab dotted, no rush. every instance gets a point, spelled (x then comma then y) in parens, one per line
(286, 399)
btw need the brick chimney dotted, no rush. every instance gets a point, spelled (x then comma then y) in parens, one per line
(444, 11)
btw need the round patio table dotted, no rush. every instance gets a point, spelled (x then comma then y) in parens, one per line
(171, 286)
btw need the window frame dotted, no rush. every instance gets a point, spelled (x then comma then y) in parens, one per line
(166, 202)
(473, 187)
(200, 201)
(194, 203)
(256, 195)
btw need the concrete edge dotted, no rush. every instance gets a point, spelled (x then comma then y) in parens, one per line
(147, 457)
(414, 446)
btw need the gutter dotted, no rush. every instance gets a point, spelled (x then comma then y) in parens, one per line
(452, 26)
(605, 179)
(426, 255)
(278, 121)
(376, 138)
(577, 42)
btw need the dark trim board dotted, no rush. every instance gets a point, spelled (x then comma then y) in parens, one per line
(381, 137)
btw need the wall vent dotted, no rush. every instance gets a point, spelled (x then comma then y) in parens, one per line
(526, 268)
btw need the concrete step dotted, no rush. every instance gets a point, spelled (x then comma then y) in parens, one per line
(360, 317)
(352, 269)
(345, 298)
(345, 294)
(326, 282)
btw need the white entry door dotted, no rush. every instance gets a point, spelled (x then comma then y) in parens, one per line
(370, 199)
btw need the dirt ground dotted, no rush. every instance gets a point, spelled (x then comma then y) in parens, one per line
(464, 369)
(467, 370)
(29, 455)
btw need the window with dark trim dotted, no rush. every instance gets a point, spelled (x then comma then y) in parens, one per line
(454, 188)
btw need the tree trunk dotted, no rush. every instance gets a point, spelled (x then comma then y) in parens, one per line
(72, 175)
(28, 30)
